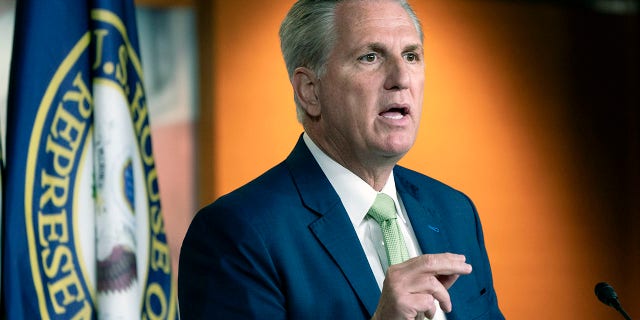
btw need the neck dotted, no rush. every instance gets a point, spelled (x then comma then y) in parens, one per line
(376, 178)
(375, 172)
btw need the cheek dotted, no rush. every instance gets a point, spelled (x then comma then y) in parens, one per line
(418, 86)
(359, 106)
(351, 95)
(364, 94)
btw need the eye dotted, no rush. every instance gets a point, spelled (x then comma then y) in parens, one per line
(369, 57)
(412, 57)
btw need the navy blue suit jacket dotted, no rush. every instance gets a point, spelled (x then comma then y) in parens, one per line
(283, 247)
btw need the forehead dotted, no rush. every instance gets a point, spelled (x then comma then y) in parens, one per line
(359, 19)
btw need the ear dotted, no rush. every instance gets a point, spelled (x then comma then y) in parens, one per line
(305, 85)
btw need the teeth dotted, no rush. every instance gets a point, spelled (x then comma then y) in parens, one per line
(394, 116)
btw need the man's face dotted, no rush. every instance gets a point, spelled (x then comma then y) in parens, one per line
(371, 92)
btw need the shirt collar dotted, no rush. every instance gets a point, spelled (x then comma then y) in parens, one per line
(356, 195)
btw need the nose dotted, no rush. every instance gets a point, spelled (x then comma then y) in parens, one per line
(398, 75)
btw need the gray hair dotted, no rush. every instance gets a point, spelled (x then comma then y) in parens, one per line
(307, 36)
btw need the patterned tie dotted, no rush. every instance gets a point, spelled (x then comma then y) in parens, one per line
(384, 212)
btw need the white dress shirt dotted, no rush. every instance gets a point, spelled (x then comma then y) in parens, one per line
(357, 197)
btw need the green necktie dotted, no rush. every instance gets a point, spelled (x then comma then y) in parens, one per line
(384, 212)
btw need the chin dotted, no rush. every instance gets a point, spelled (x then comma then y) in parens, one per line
(395, 152)
(399, 145)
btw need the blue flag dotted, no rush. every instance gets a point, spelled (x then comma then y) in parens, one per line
(83, 232)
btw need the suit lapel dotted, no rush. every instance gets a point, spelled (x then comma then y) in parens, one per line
(333, 229)
(426, 220)
(337, 236)
(432, 232)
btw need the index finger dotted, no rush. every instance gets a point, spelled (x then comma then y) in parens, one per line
(440, 264)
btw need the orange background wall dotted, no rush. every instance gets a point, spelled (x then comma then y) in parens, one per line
(531, 109)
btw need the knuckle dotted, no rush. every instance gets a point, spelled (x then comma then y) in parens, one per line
(434, 283)
(395, 278)
(393, 272)
(429, 261)
(429, 300)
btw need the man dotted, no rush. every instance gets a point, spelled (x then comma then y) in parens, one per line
(303, 240)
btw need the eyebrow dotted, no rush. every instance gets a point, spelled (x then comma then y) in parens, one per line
(376, 46)
(412, 47)
(379, 47)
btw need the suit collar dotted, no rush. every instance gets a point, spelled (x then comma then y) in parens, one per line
(356, 195)
(333, 229)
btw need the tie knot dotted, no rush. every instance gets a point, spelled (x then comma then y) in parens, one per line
(383, 208)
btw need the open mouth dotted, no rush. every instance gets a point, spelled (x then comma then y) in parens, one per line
(395, 113)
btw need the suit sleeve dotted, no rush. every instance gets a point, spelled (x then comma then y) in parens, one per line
(225, 270)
